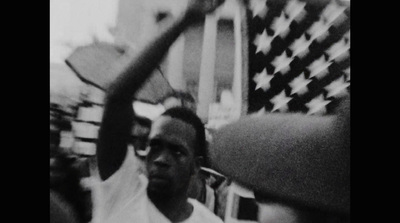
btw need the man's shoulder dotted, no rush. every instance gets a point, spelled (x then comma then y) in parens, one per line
(202, 213)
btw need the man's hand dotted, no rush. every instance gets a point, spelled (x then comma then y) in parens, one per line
(197, 9)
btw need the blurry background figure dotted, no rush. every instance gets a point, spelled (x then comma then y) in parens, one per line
(179, 98)
(210, 188)
(140, 131)
(201, 190)
(59, 123)
(221, 187)
(65, 168)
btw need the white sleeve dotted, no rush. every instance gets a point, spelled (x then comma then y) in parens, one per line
(116, 191)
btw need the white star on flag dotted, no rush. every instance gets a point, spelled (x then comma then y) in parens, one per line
(322, 37)
(280, 101)
(344, 55)
(299, 17)
(339, 20)
(347, 36)
(302, 54)
(294, 8)
(260, 112)
(317, 29)
(300, 45)
(347, 73)
(321, 74)
(318, 66)
(262, 80)
(317, 105)
(332, 11)
(299, 84)
(263, 42)
(280, 24)
(337, 87)
(337, 49)
(258, 7)
(282, 61)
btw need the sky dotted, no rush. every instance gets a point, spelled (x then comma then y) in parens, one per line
(77, 22)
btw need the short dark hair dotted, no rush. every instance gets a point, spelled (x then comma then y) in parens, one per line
(188, 116)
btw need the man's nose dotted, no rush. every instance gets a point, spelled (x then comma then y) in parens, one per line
(163, 159)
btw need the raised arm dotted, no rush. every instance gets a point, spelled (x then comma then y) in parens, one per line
(118, 114)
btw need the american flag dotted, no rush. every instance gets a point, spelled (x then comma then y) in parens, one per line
(299, 55)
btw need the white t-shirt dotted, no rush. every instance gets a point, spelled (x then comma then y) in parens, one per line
(122, 198)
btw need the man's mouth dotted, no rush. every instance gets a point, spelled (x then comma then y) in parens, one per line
(158, 178)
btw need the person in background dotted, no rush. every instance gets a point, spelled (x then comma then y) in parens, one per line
(140, 131)
(60, 210)
(179, 98)
(65, 177)
(200, 190)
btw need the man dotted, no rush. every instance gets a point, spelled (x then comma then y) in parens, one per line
(298, 166)
(175, 142)
(198, 187)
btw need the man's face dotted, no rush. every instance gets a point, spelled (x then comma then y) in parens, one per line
(170, 161)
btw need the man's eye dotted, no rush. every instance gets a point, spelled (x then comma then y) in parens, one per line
(178, 152)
